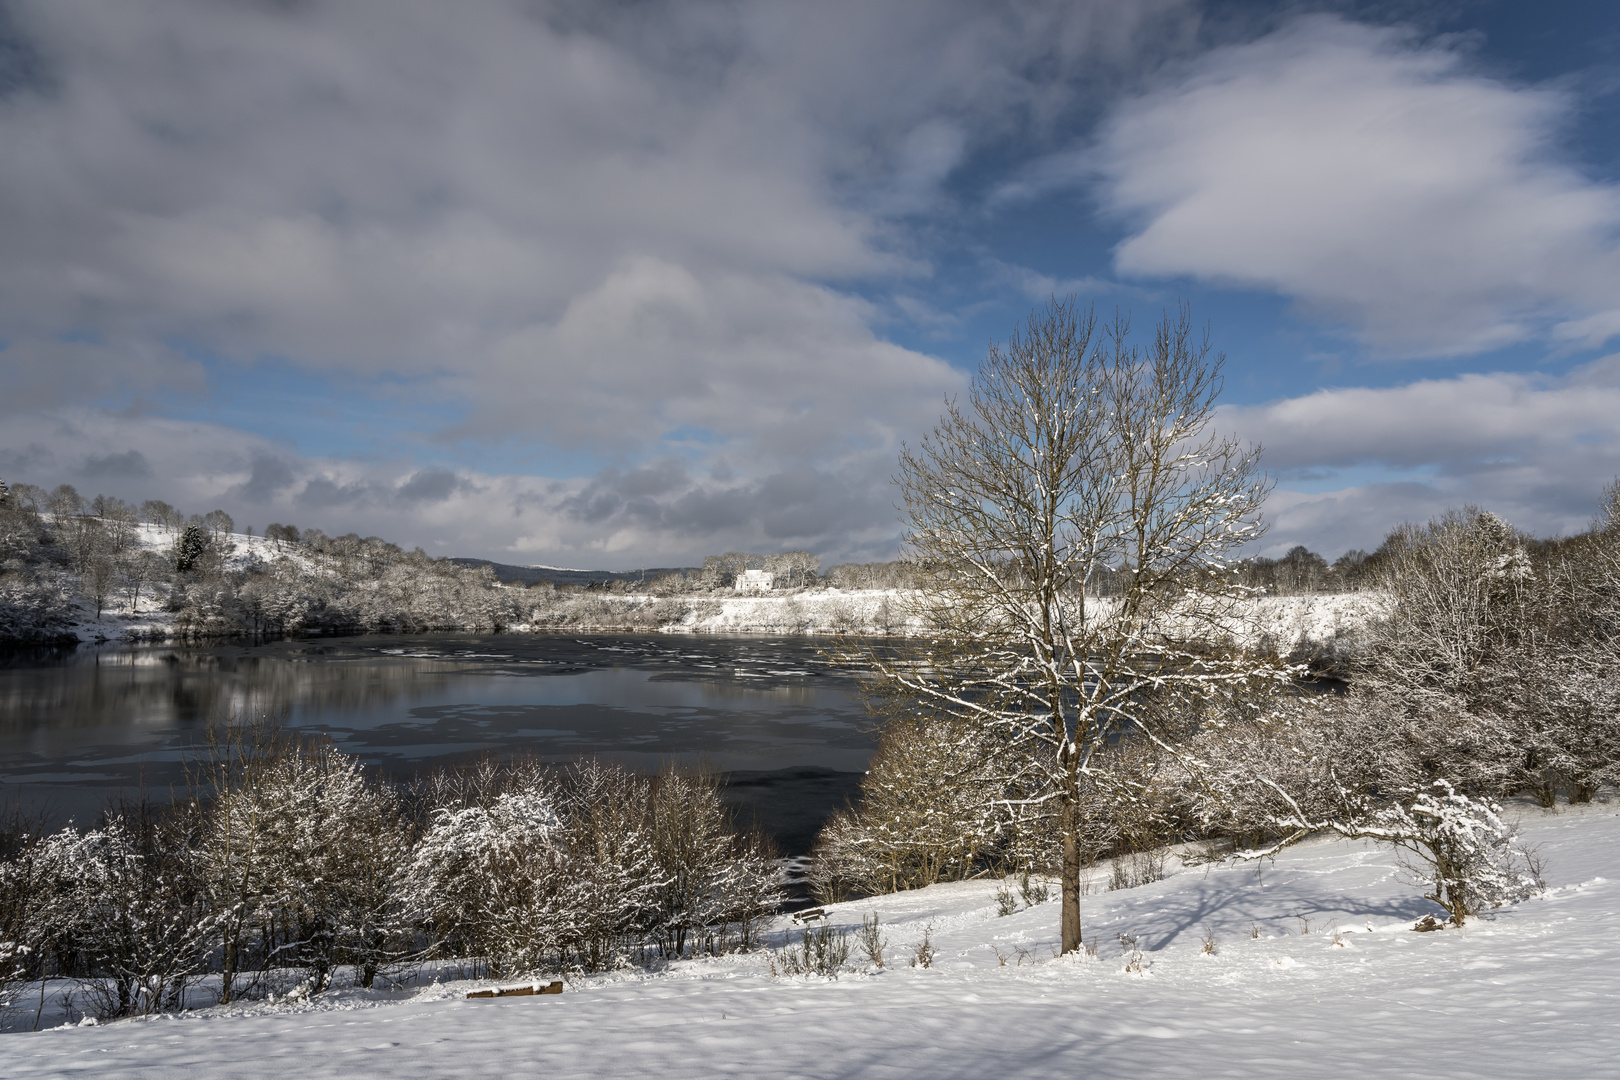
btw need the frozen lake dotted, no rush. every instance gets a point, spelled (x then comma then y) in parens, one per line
(79, 726)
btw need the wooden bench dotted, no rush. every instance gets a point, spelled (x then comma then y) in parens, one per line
(554, 987)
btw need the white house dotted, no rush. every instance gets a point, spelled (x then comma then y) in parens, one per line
(754, 581)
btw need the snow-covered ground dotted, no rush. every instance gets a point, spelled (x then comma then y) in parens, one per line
(1531, 991)
(810, 611)
(1288, 622)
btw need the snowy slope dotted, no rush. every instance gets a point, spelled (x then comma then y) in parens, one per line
(812, 611)
(148, 621)
(1533, 991)
(1287, 622)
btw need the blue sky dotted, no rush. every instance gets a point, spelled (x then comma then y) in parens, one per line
(600, 285)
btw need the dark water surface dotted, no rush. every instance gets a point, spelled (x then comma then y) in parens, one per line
(78, 726)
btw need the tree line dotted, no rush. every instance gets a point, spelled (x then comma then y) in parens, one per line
(61, 554)
(59, 550)
(283, 862)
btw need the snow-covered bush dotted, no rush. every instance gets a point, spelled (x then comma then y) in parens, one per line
(1463, 852)
(718, 883)
(1525, 649)
(491, 880)
(534, 870)
(133, 908)
(936, 803)
(27, 908)
(300, 854)
(1364, 766)
(330, 846)
(946, 800)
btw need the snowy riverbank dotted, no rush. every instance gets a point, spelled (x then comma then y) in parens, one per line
(1530, 991)
(1321, 625)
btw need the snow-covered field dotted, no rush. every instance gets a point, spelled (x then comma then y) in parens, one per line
(811, 611)
(1287, 621)
(1531, 991)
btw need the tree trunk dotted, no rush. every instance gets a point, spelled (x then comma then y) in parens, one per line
(1071, 886)
(227, 973)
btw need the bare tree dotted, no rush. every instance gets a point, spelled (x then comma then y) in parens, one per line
(229, 780)
(219, 523)
(1463, 587)
(1078, 454)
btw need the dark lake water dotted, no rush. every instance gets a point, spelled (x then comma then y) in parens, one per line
(79, 726)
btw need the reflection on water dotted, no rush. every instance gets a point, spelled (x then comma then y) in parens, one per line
(78, 724)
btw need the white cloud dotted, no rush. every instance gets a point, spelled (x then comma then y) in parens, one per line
(661, 513)
(1534, 448)
(628, 232)
(1374, 179)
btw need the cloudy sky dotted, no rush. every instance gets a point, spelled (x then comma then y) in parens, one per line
(618, 284)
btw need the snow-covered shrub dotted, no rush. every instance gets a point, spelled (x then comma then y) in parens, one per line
(491, 879)
(228, 783)
(29, 909)
(718, 883)
(1461, 586)
(1561, 716)
(1525, 647)
(534, 870)
(301, 853)
(134, 909)
(1362, 766)
(945, 800)
(940, 800)
(330, 846)
(35, 607)
(615, 879)
(1463, 852)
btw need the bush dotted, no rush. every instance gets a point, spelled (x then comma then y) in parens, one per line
(947, 800)
(134, 909)
(537, 870)
(285, 857)
(35, 609)
(822, 951)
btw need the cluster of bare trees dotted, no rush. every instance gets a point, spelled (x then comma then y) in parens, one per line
(284, 862)
(789, 569)
(57, 547)
(1495, 673)
(1075, 526)
(1301, 571)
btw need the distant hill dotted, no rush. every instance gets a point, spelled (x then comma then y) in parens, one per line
(528, 575)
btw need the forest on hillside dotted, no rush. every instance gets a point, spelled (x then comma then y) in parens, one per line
(114, 565)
